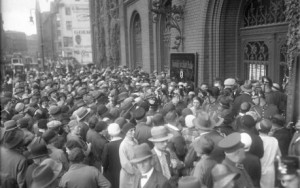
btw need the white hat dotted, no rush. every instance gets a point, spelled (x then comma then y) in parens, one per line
(189, 121)
(113, 129)
(229, 82)
(246, 140)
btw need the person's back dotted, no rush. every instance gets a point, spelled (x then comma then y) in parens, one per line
(81, 176)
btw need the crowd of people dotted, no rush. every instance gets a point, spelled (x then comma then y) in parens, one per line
(130, 129)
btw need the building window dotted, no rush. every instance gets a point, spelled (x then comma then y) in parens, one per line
(59, 44)
(58, 33)
(58, 23)
(69, 25)
(68, 11)
(136, 34)
(256, 59)
(68, 41)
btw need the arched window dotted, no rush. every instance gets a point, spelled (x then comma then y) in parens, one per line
(136, 35)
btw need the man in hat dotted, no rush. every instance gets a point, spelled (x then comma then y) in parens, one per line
(38, 153)
(12, 161)
(245, 96)
(165, 161)
(289, 173)
(234, 155)
(6, 112)
(149, 177)
(80, 175)
(52, 94)
(263, 109)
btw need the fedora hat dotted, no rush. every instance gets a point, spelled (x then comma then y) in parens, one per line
(37, 148)
(203, 122)
(222, 176)
(10, 125)
(54, 165)
(113, 129)
(82, 113)
(43, 176)
(247, 87)
(11, 139)
(159, 134)
(122, 96)
(141, 153)
(189, 182)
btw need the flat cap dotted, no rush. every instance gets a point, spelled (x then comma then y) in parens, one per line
(231, 143)
(54, 110)
(53, 124)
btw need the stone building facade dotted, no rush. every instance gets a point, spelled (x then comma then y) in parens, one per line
(233, 38)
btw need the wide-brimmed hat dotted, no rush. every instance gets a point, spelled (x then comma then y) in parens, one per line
(247, 87)
(288, 165)
(189, 182)
(82, 112)
(222, 176)
(55, 166)
(231, 143)
(43, 176)
(160, 134)
(141, 153)
(37, 148)
(10, 125)
(203, 122)
(13, 138)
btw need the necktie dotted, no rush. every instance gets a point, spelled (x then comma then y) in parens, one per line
(165, 166)
(239, 166)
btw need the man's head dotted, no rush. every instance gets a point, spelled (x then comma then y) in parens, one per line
(143, 158)
(160, 137)
(289, 173)
(233, 147)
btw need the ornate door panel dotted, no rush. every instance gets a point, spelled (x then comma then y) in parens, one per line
(137, 42)
(262, 39)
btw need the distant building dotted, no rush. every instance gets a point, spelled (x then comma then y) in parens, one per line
(72, 26)
(15, 42)
(32, 45)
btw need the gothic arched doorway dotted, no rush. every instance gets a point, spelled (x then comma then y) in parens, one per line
(136, 42)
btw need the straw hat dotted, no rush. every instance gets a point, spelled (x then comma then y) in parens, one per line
(160, 134)
(188, 182)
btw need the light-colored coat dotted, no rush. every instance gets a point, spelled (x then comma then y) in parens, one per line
(128, 171)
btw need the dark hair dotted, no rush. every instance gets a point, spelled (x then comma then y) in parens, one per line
(76, 155)
(71, 144)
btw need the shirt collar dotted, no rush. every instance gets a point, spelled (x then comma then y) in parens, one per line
(149, 173)
(158, 152)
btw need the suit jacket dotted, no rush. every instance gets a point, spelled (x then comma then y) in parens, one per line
(156, 180)
(14, 164)
(239, 100)
(82, 176)
(143, 133)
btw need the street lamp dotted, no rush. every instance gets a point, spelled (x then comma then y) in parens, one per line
(41, 33)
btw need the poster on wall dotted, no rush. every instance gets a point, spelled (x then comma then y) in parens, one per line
(80, 15)
(82, 45)
(183, 67)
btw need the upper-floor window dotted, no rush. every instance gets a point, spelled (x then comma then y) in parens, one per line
(68, 11)
(68, 41)
(69, 25)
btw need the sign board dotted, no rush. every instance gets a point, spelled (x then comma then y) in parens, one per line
(82, 45)
(184, 67)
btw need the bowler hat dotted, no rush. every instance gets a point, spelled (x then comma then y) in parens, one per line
(102, 109)
(245, 107)
(159, 134)
(141, 152)
(23, 122)
(189, 182)
(222, 176)
(231, 142)
(19, 107)
(122, 96)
